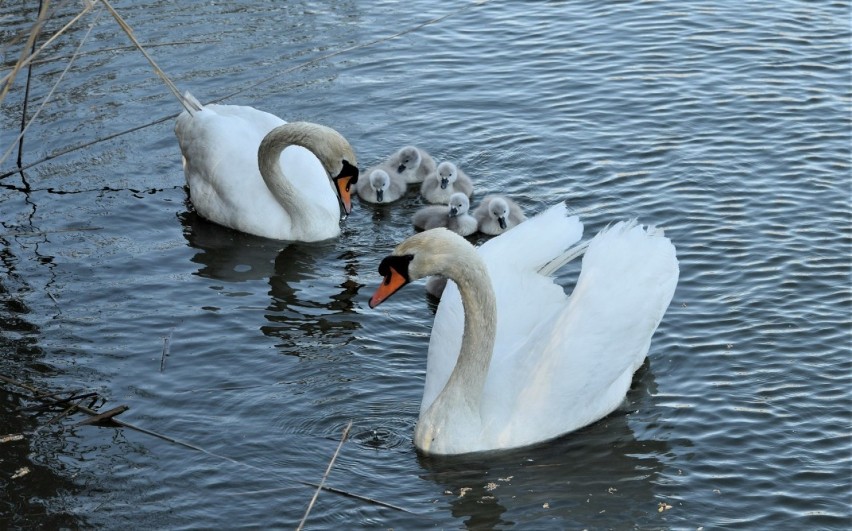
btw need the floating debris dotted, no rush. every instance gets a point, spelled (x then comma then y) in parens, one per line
(21, 472)
(545, 506)
(10, 438)
(663, 507)
(463, 491)
(491, 486)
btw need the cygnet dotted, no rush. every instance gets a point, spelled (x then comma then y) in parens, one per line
(447, 180)
(380, 187)
(453, 216)
(497, 213)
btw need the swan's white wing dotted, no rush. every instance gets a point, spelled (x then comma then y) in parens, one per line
(587, 353)
(513, 260)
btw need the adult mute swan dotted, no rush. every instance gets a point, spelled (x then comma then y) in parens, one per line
(512, 360)
(252, 171)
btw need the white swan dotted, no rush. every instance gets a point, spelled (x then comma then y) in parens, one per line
(380, 187)
(497, 213)
(447, 180)
(252, 171)
(453, 216)
(512, 360)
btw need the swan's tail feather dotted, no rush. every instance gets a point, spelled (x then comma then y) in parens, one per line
(571, 254)
(191, 103)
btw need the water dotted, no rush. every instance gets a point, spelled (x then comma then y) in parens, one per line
(726, 123)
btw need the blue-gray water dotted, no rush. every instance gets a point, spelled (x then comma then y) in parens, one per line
(727, 123)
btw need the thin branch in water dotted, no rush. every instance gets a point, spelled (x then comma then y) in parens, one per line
(167, 340)
(325, 476)
(47, 232)
(129, 31)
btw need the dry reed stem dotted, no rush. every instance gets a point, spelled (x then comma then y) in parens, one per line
(49, 94)
(325, 476)
(26, 59)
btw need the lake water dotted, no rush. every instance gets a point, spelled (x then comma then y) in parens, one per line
(727, 123)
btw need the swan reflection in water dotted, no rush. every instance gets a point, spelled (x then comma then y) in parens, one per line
(304, 309)
(573, 482)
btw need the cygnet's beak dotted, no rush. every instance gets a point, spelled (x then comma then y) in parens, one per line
(401, 168)
(444, 183)
(454, 212)
(380, 195)
(502, 221)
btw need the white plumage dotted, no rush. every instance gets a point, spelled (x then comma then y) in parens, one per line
(296, 200)
(558, 363)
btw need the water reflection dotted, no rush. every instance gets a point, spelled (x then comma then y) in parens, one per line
(312, 290)
(577, 480)
(226, 254)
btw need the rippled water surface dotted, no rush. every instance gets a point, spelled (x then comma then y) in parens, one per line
(727, 123)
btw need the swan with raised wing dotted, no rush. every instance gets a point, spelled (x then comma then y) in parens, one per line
(252, 171)
(514, 361)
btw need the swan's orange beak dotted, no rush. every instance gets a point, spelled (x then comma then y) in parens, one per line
(343, 190)
(343, 182)
(393, 281)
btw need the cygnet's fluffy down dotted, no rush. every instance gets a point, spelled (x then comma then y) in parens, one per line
(380, 187)
(496, 214)
(447, 180)
(411, 163)
(453, 216)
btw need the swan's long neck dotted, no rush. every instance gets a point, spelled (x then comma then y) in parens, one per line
(480, 326)
(269, 156)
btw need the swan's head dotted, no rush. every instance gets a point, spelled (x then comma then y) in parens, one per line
(379, 181)
(447, 174)
(498, 209)
(409, 159)
(459, 204)
(431, 252)
(333, 151)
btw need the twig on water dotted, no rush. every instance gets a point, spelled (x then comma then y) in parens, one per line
(324, 476)
(167, 341)
(119, 423)
(129, 31)
(46, 232)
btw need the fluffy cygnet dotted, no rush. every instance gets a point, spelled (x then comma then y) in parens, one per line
(447, 180)
(412, 164)
(380, 187)
(453, 216)
(496, 214)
